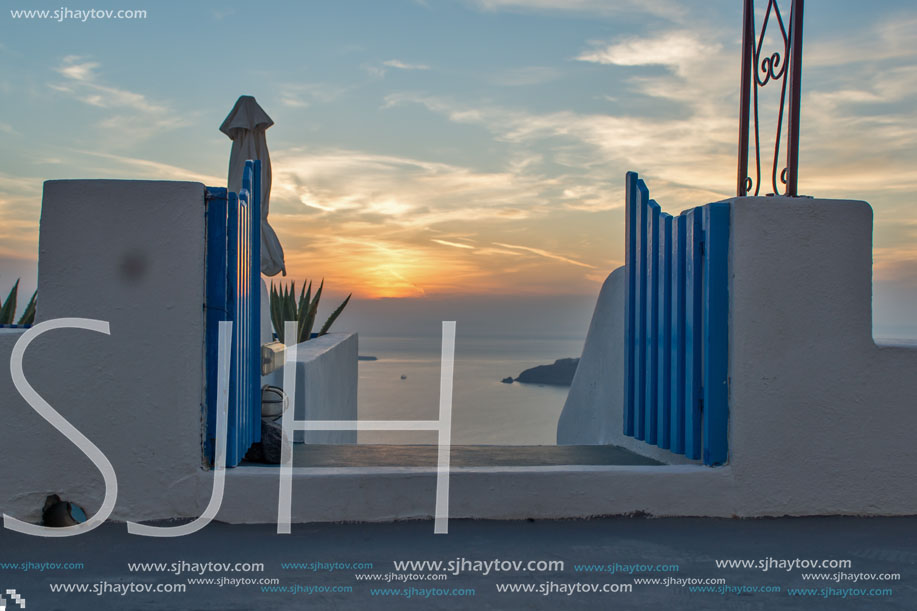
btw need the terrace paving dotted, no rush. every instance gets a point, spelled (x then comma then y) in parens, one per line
(874, 545)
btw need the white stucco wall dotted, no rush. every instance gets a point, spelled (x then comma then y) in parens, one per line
(326, 385)
(129, 252)
(593, 413)
(821, 419)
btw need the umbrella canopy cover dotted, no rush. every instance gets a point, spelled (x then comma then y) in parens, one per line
(246, 125)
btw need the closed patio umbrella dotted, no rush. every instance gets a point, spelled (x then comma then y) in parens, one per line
(246, 125)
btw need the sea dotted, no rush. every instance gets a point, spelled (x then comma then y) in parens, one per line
(403, 384)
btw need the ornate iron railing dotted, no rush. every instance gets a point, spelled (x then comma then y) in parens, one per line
(782, 66)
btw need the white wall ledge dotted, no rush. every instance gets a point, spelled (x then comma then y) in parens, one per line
(326, 385)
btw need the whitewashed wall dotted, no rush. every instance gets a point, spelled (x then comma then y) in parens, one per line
(326, 385)
(821, 419)
(128, 252)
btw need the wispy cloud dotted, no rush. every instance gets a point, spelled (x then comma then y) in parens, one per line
(679, 49)
(397, 63)
(452, 244)
(888, 39)
(526, 76)
(83, 82)
(400, 190)
(303, 95)
(399, 226)
(379, 70)
(144, 117)
(132, 167)
(547, 254)
(687, 154)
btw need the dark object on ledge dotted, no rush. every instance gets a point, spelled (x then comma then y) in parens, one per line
(58, 514)
(268, 449)
(559, 374)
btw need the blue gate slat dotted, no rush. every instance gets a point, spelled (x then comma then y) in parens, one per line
(641, 301)
(242, 321)
(664, 333)
(241, 317)
(255, 292)
(716, 314)
(694, 344)
(676, 318)
(652, 317)
(232, 277)
(245, 322)
(245, 319)
(214, 301)
(630, 308)
(677, 356)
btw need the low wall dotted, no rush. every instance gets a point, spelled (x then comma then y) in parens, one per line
(326, 385)
(821, 418)
(593, 413)
(135, 393)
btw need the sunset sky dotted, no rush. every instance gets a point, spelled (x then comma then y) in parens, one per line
(466, 152)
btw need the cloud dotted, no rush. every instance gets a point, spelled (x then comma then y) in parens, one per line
(378, 71)
(303, 95)
(859, 126)
(526, 76)
(452, 244)
(889, 39)
(676, 49)
(82, 81)
(396, 63)
(74, 68)
(685, 155)
(401, 191)
(139, 116)
(147, 169)
(396, 226)
(547, 254)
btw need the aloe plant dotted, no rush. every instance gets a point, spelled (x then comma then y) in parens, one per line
(285, 307)
(8, 309)
(28, 315)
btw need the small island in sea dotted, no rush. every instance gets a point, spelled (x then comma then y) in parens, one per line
(560, 373)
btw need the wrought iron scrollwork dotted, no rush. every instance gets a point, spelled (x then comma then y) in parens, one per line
(759, 69)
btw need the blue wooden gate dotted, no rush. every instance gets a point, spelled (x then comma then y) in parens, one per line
(233, 293)
(676, 326)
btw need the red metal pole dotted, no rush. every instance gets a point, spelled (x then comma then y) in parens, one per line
(744, 93)
(792, 149)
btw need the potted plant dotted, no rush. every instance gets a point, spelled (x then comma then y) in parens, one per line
(8, 309)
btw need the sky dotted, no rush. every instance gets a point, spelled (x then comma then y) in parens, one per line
(458, 158)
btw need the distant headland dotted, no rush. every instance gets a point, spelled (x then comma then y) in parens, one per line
(560, 373)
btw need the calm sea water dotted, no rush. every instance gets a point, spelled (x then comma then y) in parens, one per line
(485, 411)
